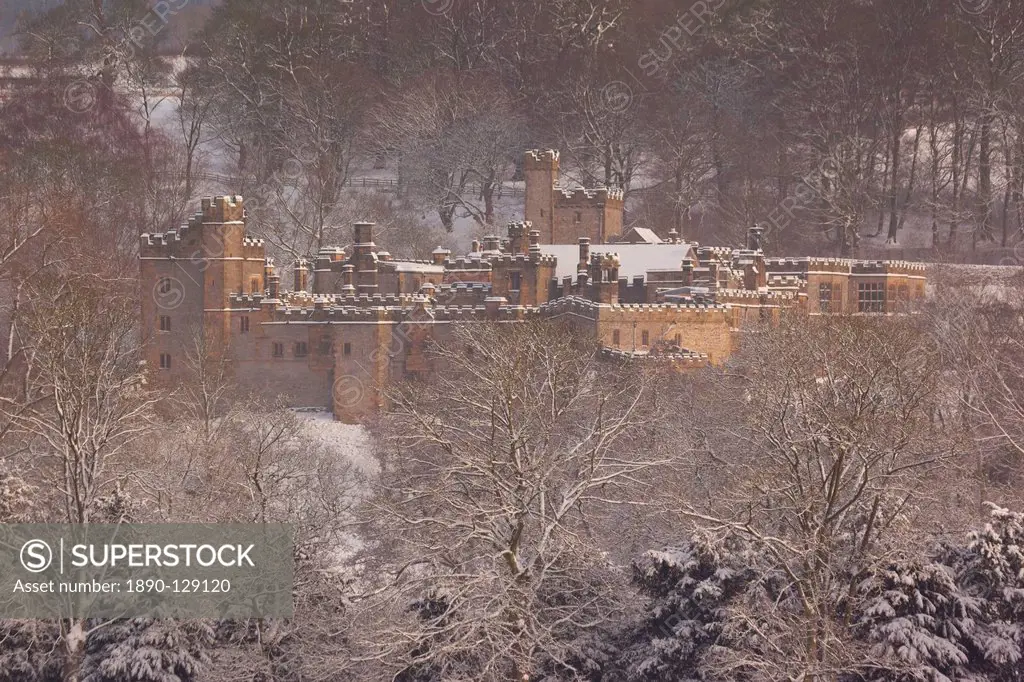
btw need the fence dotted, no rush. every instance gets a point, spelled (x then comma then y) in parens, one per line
(226, 182)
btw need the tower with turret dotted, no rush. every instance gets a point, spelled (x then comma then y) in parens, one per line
(563, 215)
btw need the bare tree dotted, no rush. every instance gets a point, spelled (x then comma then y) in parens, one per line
(493, 477)
(821, 458)
(290, 94)
(83, 406)
(457, 138)
(85, 400)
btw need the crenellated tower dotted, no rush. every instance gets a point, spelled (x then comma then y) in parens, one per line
(563, 215)
(188, 277)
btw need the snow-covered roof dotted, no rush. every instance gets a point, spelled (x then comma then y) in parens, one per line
(635, 259)
(641, 235)
(412, 266)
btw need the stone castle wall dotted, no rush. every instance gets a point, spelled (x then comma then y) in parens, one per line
(366, 320)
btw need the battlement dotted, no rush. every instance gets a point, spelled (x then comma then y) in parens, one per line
(479, 313)
(743, 259)
(538, 159)
(886, 267)
(223, 209)
(246, 300)
(187, 240)
(641, 308)
(468, 263)
(461, 293)
(159, 240)
(579, 196)
(463, 286)
(522, 259)
(571, 304)
(843, 266)
(303, 299)
(786, 280)
(387, 265)
(633, 290)
(746, 295)
(331, 313)
(686, 358)
(718, 251)
(806, 264)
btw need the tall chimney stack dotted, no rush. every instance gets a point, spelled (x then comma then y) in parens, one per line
(584, 253)
(301, 275)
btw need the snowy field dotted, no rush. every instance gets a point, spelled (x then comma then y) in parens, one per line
(348, 441)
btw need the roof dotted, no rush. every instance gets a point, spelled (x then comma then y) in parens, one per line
(635, 259)
(413, 266)
(641, 235)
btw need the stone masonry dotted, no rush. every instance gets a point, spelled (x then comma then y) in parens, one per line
(354, 320)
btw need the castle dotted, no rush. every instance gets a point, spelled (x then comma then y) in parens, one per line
(357, 318)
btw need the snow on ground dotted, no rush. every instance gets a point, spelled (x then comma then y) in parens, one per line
(988, 282)
(350, 441)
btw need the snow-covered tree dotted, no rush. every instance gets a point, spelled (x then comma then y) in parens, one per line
(991, 570)
(955, 618)
(818, 442)
(147, 650)
(689, 587)
(496, 475)
(918, 620)
(30, 651)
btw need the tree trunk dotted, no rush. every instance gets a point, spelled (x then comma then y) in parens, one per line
(933, 146)
(73, 643)
(894, 178)
(487, 193)
(985, 177)
(1007, 195)
(910, 182)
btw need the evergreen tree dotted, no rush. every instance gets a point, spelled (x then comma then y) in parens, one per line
(689, 588)
(991, 571)
(147, 650)
(918, 620)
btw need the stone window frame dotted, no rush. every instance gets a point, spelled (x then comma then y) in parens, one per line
(870, 297)
(826, 297)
